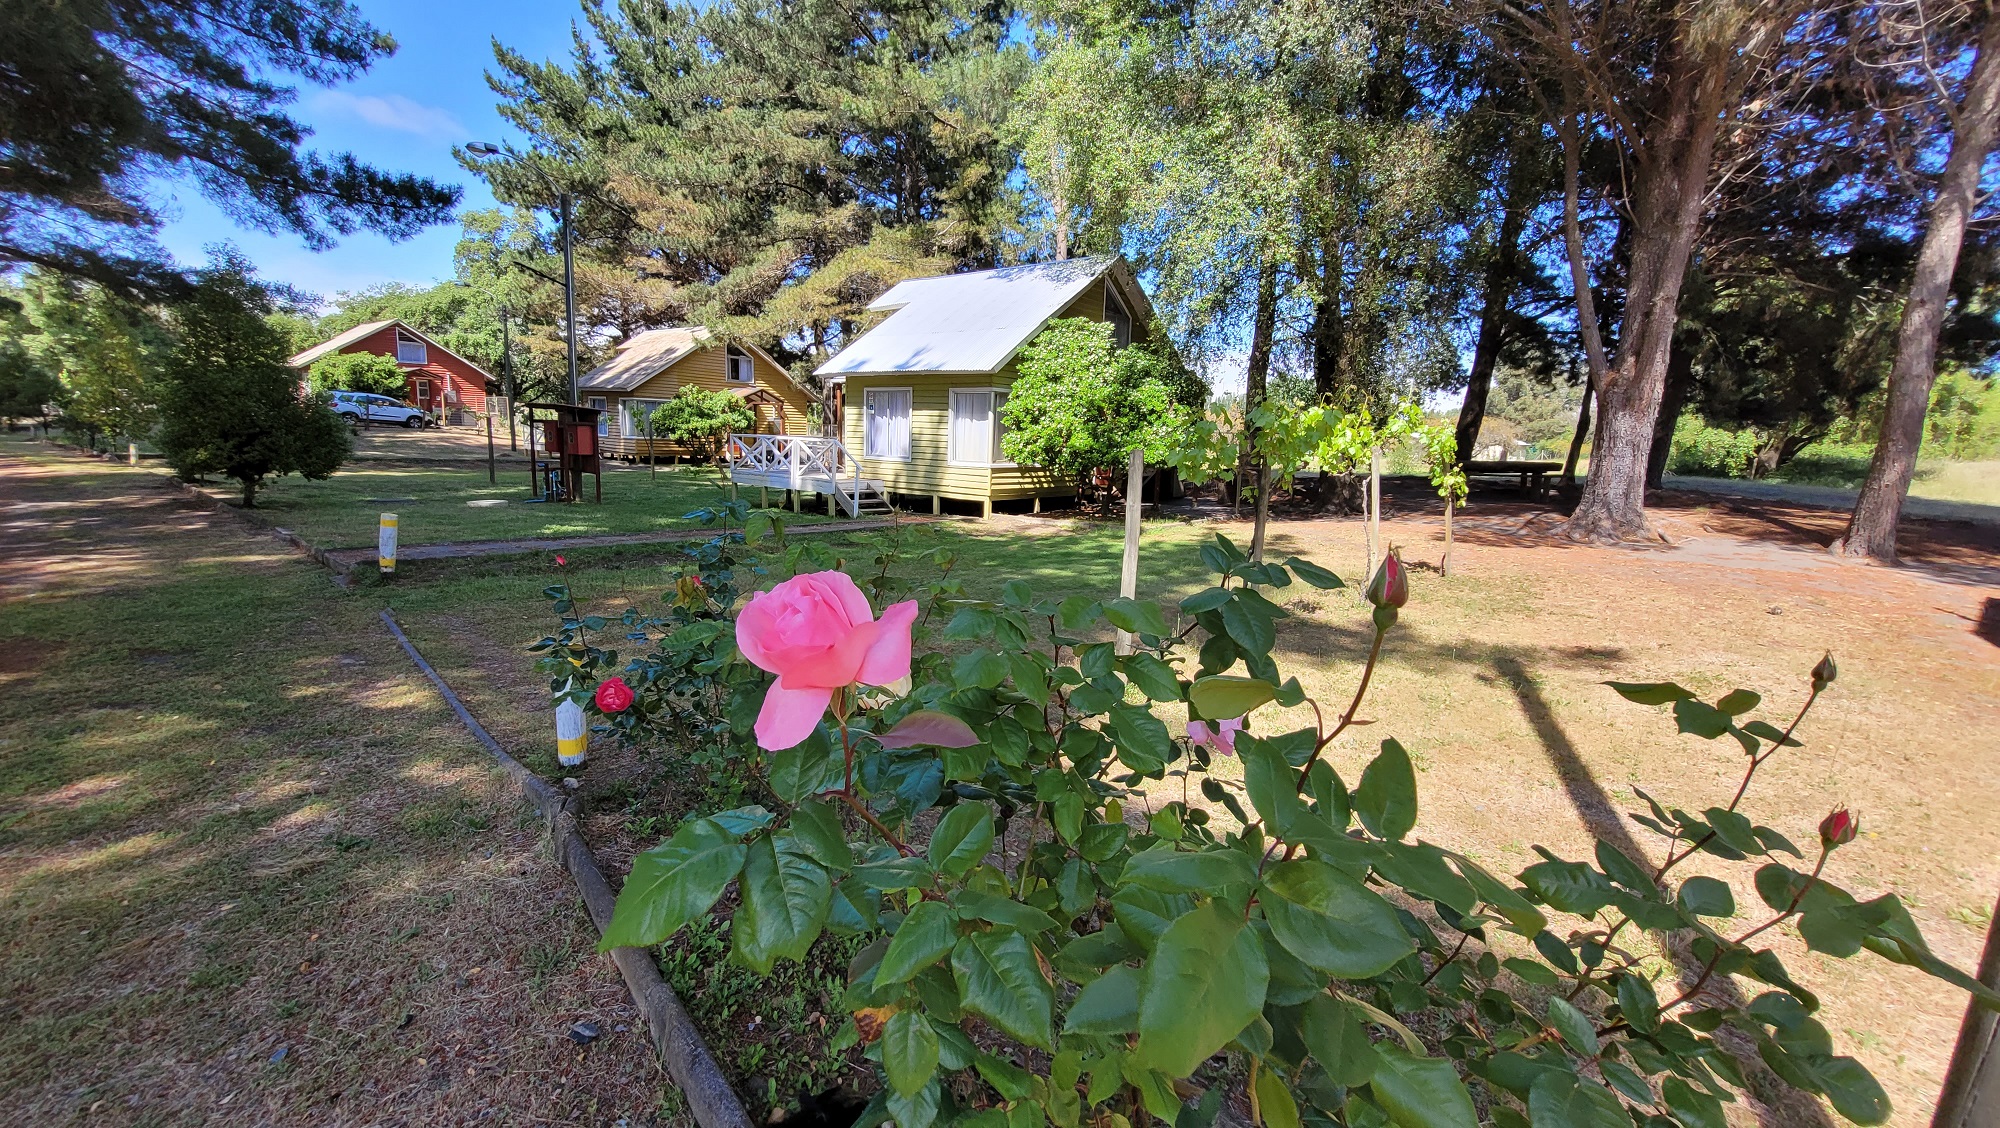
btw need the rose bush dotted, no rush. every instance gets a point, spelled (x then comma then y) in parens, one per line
(1057, 933)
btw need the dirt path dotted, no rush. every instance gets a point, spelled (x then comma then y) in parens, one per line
(251, 870)
(1834, 497)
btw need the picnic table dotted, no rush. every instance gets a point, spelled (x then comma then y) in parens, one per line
(1533, 474)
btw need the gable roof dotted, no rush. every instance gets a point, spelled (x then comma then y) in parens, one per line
(646, 354)
(975, 322)
(365, 330)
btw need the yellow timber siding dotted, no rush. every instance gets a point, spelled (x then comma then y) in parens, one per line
(929, 470)
(704, 368)
(1090, 304)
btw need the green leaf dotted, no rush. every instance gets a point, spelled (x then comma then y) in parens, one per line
(1638, 1003)
(1145, 914)
(1624, 870)
(1559, 1100)
(1699, 719)
(1574, 1026)
(1421, 1092)
(1706, 896)
(1003, 911)
(1853, 1090)
(672, 884)
(924, 937)
(1153, 677)
(1738, 702)
(1207, 599)
(1274, 1101)
(785, 901)
(1519, 911)
(1691, 1106)
(1272, 784)
(1334, 1034)
(999, 980)
(909, 1052)
(1734, 830)
(1143, 744)
(1331, 921)
(1531, 972)
(1168, 870)
(1248, 626)
(918, 1111)
(981, 668)
(1421, 869)
(1136, 616)
(1651, 693)
(805, 769)
(895, 873)
(1571, 887)
(971, 624)
(1030, 678)
(1107, 1005)
(962, 839)
(1222, 697)
(1204, 983)
(1386, 801)
(817, 829)
(1313, 574)
(931, 728)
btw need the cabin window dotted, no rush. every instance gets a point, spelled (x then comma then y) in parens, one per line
(886, 424)
(738, 368)
(603, 416)
(976, 429)
(410, 349)
(1116, 313)
(637, 412)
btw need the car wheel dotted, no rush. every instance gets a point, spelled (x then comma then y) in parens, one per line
(352, 419)
(414, 422)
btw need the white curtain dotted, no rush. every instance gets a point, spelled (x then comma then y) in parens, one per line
(972, 427)
(888, 424)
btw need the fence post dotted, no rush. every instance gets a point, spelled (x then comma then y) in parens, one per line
(1128, 570)
(385, 545)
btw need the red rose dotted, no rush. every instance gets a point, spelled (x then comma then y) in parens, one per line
(1838, 828)
(560, 561)
(1391, 585)
(614, 696)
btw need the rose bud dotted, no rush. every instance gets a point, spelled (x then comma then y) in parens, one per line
(1838, 828)
(1823, 672)
(614, 696)
(1391, 585)
(560, 561)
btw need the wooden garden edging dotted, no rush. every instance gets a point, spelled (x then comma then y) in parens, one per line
(676, 1040)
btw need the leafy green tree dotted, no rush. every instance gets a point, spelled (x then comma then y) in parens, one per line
(100, 97)
(1080, 405)
(702, 419)
(106, 350)
(27, 388)
(357, 372)
(232, 406)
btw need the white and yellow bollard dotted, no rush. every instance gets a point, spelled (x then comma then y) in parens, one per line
(571, 734)
(385, 544)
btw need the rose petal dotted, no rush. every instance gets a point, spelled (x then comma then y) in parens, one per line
(888, 657)
(843, 590)
(789, 715)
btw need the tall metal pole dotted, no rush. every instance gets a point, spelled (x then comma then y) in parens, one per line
(569, 295)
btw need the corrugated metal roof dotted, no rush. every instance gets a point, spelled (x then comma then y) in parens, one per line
(641, 357)
(965, 322)
(334, 345)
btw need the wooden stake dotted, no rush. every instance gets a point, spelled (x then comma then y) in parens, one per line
(1128, 570)
(385, 545)
(1374, 502)
(1450, 503)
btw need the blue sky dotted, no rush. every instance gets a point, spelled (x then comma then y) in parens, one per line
(404, 115)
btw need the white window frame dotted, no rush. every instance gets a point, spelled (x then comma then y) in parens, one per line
(603, 406)
(994, 455)
(421, 390)
(624, 413)
(910, 423)
(405, 337)
(731, 354)
(1111, 298)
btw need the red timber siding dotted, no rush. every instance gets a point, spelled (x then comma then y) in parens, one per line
(441, 366)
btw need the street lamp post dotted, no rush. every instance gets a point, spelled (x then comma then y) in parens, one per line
(563, 201)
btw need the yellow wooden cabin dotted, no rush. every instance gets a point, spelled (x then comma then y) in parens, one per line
(920, 393)
(651, 366)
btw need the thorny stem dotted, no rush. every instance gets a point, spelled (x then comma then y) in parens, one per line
(1708, 970)
(868, 816)
(1446, 962)
(1347, 718)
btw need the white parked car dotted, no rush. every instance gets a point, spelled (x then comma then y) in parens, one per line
(367, 407)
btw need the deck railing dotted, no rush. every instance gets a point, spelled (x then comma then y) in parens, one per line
(798, 462)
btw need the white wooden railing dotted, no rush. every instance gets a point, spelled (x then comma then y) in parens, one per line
(797, 462)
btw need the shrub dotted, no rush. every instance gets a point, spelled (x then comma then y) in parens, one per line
(232, 406)
(1351, 973)
(1710, 452)
(1079, 404)
(702, 419)
(358, 372)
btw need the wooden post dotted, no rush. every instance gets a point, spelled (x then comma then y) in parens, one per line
(1128, 570)
(829, 505)
(385, 545)
(937, 505)
(1972, 1081)
(1038, 503)
(986, 509)
(534, 480)
(652, 456)
(572, 735)
(492, 467)
(1450, 503)
(1371, 502)
(131, 453)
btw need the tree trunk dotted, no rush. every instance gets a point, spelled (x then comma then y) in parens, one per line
(1326, 329)
(1500, 275)
(1669, 194)
(1262, 328)
(249, 493)
(1680, 381)
(1576, 441)
(1872, 532)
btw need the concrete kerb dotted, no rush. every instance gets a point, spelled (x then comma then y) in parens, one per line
(675, 1039)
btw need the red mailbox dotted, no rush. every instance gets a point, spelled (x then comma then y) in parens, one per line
(569, 439)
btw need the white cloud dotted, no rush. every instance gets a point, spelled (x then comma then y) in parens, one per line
(389, 111)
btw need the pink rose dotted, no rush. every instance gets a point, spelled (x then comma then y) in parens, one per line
(817, 634)
(614, 696)
(1221, 736)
